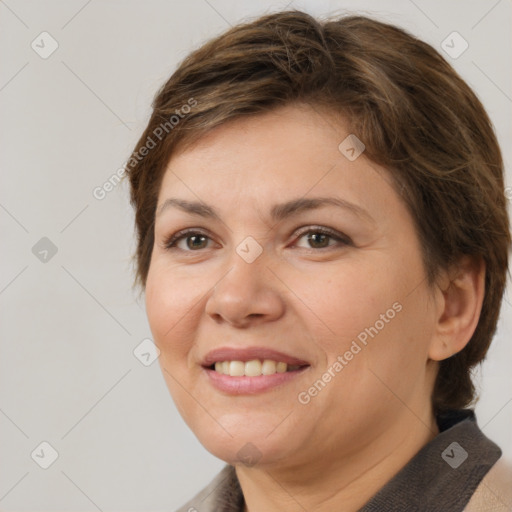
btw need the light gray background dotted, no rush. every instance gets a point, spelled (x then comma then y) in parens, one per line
(68, 375)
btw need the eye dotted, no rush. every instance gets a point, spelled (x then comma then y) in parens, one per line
(193, 240)
(318, 237)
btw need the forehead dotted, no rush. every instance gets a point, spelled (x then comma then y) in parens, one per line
(293, 151)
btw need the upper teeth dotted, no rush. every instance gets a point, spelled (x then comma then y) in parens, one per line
(253, 368)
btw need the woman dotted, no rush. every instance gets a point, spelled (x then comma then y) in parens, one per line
(323, 244)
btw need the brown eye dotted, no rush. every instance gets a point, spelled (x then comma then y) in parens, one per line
(318, 240)
(194, 241)
(321, 238)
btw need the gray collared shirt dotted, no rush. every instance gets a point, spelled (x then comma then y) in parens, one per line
(442, 476)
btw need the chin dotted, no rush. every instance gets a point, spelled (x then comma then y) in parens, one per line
(245, 439)
(258, 452)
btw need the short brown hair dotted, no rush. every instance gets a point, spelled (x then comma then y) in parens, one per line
(414, 113)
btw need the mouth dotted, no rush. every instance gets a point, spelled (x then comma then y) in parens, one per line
(251, 370)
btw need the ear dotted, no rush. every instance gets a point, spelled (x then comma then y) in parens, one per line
(459, 301)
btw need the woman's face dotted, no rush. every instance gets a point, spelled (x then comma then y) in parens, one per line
(296, 253)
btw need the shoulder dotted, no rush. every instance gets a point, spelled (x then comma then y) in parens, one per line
(208, 499)
(494, 493)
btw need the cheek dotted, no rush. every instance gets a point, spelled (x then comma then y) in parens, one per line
(370, 317)
(396, 353)
(170, 307)
(343, 302)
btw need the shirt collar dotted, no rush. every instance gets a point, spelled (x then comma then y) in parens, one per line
(445, 473)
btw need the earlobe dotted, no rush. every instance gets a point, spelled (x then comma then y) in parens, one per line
(460, 295)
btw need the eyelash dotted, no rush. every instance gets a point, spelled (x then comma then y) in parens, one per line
(171, 241)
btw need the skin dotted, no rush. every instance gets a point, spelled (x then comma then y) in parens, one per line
(340, 448)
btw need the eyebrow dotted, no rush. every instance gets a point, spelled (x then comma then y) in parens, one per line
(278, 211)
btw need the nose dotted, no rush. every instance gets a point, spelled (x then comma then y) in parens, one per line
(249, 293)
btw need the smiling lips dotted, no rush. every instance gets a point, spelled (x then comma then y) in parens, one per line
(250, 370)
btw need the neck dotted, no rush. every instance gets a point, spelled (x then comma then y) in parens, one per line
(343, 482)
